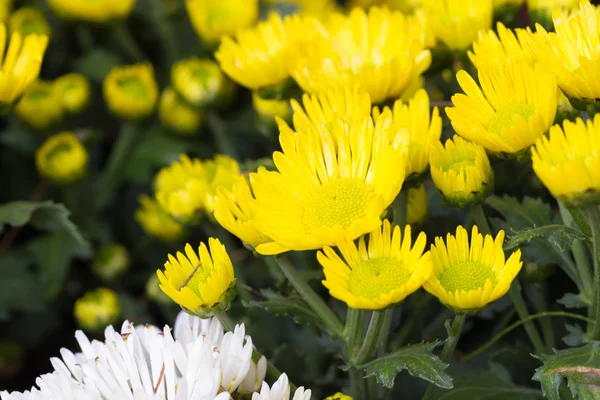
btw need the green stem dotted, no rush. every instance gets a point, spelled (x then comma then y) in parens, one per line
(593, 213)
(521, 307)
(584, 267)
(384, 333)
(165, 31)
(84, 37)
(537, 295)
(352, 330)
(481, 221)
(358, 383)
(401, 208)
(511, 327)
(220, 134)
(449, 347)
(127, 42)
(274, 270)
(370, 342)
(329, 318)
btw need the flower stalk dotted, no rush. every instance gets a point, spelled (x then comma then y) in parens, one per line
(593, 213)
(370, 341)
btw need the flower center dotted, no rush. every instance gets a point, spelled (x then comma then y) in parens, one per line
(503, 118)
(457, 165)
(197, 277)
(371, 278)
(134, 87)
(466, 275)
(337, 203)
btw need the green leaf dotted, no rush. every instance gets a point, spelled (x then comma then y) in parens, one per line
(580, 219)
(417, 359)
(19, 287)
(286, 306)
(97, 63)
(45, 215)
(488, 386)
(558, 236)
(580, 366)
(521, 215)
(571, 300)
(576, 336)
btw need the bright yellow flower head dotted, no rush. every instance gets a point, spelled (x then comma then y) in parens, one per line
(233, 210)
(331, 181)
(417, 205)
(467, 277)
(199, 81)
(382, 51)
(97, 309)
(201, 283)
(75, 92)
(573, 52)
(221, 171)
(21, 64)
(457, 22)
(461, 171)
(131, 92)
(517, 106)
(62, 158)
(181, 189)
(424, 126)
(156, 222)
(568, 161)
(378, 275)
(507, 45)
(27, 21)
(99, 11)
(40, 107)
(338, 396)
(268, 109)
(177, 115)
(214, 19)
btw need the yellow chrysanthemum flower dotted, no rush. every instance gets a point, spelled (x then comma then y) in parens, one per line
(200, 81)
(338, 396)
(568, 161)
(382, 51)
(156, 222)
(40, 107)
(201, 283)
(99, 11)
(461, 171)
(467, 277)
(62, 158)
(268, 109)
(506, 45)
(75, 92)
(325, 188)
(214, 19)
(131, 91)
(417, 205)
(233, 210)
(221, 171)
(97, 309)
(28, 21)
(573, 52)
(517, 106)
(181, 189)
(111, 261)
(177, 115)
(457, 22)
(21, 64)
(378, 275)
(424, 126)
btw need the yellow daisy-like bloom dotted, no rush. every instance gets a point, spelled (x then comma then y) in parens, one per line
(199, 81)
(457, 22)
(468, 278)
(377, 275)
(97, 309)
(417, 205)
(221, 171)
(99, 11)
(156, 222)
(201, 283)
(568, 160)
(131, 92)
(21, 64)
(214, 19)
(573, 52)
(507, 45)
(517, 106)
(27, 21)
(461, 171)
(75, 92)
(181, 189)
(233, 210)
(325, 188)
(382, 51)
(338, 396)
(424, 126)
(177, 115)
(268, 109)
(62, 158)
(41, 106)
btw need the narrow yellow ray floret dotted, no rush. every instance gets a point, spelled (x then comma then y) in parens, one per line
(493, 47)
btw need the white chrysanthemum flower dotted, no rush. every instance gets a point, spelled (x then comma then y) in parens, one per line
(281, 391)
(255, 376)
(54, 386)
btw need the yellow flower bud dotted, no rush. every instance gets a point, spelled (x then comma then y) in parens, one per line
(269, 109)
(62, 158)
(27, 21)
(338, 396)
(99, 11)
(200, 82)
(97, 309)
(221, 172)
(75, 92)
(40, 107)
(111, 261)
(417, 205)
(177, 115)
(131, 92)
(156, 222)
